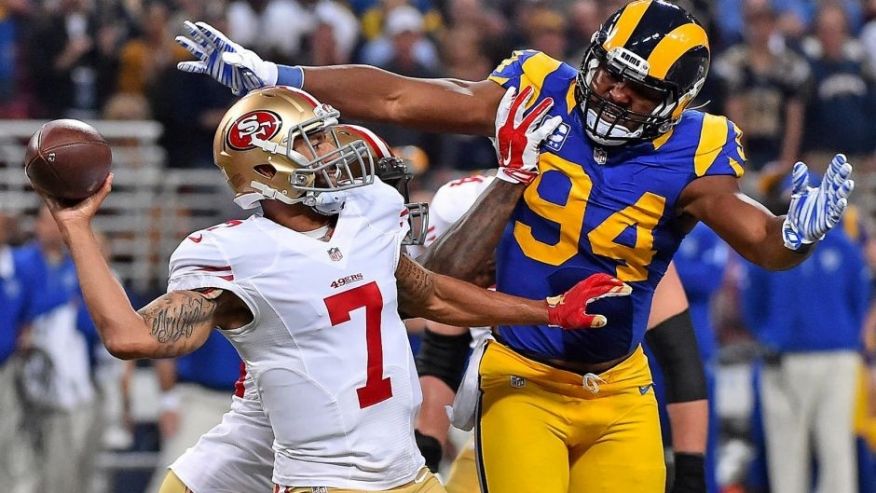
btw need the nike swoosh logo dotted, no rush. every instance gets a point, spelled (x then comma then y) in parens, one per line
(644, 389)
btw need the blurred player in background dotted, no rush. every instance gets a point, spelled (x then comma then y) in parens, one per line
(58, 391)
(307, 294)
(16, 461)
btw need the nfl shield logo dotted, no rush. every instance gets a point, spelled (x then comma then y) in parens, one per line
(518, 382)
(599, 155)
(335, 254)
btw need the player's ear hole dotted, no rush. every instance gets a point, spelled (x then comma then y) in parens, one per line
(266, 170)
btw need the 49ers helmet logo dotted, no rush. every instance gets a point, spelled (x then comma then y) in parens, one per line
(260, 123)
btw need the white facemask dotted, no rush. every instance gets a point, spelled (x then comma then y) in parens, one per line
(602, 128)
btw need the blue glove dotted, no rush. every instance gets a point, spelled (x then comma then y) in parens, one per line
(814, 211)
(224, 60)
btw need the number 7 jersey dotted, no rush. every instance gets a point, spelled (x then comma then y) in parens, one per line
(326, 349)
(599, 209)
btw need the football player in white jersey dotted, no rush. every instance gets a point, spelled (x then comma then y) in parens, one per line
(237, 455)
(309, 292)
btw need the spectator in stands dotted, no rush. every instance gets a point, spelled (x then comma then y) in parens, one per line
(195, 392)
(57, 374)
(335, 35)
(585, 17)
(403, 44)
(146, 57)
(840, 111)
(546, 31)
(190, 109)
(766, 86)
(868, 33)
(274, 28)
(809, 321)
(405, 50)
(15, 460)
(13, 23)
(373, 15)
(64, 63)
(796, 17)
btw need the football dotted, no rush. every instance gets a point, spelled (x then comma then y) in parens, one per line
(67, 159)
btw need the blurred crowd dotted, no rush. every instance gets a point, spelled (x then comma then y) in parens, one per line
(795, 75)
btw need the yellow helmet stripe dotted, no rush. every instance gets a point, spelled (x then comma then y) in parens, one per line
(626, 24)
(675, 44)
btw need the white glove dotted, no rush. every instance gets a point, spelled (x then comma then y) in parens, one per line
(814, 211)
(224, 60)
(518, 139)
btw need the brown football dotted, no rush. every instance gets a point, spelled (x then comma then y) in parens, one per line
(67, 159)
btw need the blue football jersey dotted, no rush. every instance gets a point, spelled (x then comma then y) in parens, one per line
(599, 209)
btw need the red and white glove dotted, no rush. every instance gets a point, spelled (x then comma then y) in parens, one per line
(518, 138)
(569, 310)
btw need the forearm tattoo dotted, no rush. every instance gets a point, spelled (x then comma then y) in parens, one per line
(174, 317)
(415, 284)
(477, 234)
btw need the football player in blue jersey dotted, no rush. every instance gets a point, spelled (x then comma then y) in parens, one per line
(627, 173)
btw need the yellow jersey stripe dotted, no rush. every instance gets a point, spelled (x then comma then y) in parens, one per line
(626, 24)
(673, 46)
(535, 70)
(739, 146)
(713, 136)
(571, 102)
(737, 168)
(659, 141)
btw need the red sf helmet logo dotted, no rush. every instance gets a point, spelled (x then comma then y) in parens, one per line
(262, 124)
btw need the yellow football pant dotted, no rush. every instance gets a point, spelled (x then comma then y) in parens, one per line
(463, 475)
(172, 484)
(425, 482)
(546, 430)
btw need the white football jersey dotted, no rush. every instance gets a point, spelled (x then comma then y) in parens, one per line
(452, 201)
(449, 204)
(326, 349)
(236, 455)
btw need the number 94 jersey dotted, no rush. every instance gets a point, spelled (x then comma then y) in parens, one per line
(599, 209)
(327, 350)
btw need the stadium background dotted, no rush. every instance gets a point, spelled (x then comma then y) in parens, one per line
(112, 63)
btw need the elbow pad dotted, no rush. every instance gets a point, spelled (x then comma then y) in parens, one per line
(674, 344)
(443, 357)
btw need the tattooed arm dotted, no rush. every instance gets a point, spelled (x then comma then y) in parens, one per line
(172, 325)
(477, 234)
(422, 293)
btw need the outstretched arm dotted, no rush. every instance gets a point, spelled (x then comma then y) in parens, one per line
(436, 297)
(358, 91)
(422, 293)
(774, 243)
(172, 325)
(437, 105)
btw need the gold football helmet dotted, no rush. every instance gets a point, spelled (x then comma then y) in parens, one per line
(393, 171)
(265, 148)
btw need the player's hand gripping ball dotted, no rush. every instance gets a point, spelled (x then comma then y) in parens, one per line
(67, 160)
